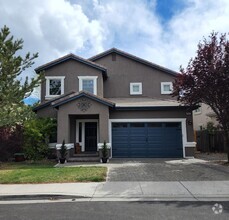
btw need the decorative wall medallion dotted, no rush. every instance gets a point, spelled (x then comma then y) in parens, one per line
(84, 104)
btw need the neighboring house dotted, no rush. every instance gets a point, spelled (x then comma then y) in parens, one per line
(118, 98)
(203, 115)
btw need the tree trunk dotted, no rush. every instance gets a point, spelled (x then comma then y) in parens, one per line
(226, 143)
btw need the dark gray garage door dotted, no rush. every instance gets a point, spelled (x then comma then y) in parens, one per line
(147, 139)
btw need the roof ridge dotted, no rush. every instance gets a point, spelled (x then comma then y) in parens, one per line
(70, 55)
(129, 55)
(74, 95)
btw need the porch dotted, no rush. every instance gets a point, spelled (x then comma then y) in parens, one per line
(83, 134)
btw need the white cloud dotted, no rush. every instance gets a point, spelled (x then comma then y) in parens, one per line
(52, 28)
(187, 28)
(86, 27)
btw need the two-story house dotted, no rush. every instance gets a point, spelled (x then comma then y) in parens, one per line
(118, 98)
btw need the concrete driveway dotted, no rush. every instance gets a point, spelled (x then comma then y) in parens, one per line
(166, 170)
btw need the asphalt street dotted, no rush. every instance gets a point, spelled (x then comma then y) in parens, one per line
(116, 210)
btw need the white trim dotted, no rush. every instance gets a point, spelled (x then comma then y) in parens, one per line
(47, 95)
(82, 144)
(182, 120)
(100, 145)
(94, 78)
(52, 145)
(164, 84)
(132, 92)
(68, 146)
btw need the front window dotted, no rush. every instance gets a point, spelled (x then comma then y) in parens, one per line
(135, 88)
(88, 84)
(54, 86)
(166, 87)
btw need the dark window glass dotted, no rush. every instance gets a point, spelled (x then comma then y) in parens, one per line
(54, 87)
(119, 125)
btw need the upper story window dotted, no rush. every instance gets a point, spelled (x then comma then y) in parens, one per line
(198, 110)
(54, 86)
(166, 87)
(136, 88)
(88, 84)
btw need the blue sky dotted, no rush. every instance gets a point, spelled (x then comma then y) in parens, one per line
(165, 32)
(166, 9)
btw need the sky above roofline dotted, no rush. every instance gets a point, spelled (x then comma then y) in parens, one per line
(165, 32)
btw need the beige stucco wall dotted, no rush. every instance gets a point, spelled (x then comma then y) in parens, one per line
(48, 111)
(71, 108)
(71, 70)
(124, 70)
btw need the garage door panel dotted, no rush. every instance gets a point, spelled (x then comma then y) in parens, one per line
(121, 132)
(154, 140)
(141, 140)
(147, 140)
(154, 131)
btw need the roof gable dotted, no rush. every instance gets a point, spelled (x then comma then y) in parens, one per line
(48, 103)
(72, 57)
(130, 56)
(74, 96)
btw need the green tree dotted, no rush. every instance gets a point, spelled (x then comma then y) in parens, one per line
(12, 88)
(206, 80)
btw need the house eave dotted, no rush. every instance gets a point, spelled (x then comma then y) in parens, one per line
(82, 95)
(48, 103)
(71, 57)
(153, 108)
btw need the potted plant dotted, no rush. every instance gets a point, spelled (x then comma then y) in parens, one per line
(63, 152)
(104, 152)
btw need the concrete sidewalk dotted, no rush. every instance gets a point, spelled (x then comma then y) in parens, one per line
(132, 191)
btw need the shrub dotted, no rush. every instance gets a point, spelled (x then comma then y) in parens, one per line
(36, 137)
(11, 139)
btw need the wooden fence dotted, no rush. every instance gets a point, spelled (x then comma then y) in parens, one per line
(210, 142)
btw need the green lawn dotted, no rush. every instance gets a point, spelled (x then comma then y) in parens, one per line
(44, 172)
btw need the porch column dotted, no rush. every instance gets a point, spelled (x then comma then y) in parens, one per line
(63, 127)
(103, 126)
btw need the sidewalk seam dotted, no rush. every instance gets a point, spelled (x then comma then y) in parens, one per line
(94, 192)
(188, 191)
(140, 187)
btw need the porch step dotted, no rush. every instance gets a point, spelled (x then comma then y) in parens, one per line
(84, 159)
(93, 154)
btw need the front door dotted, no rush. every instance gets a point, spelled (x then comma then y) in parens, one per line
(91, 136)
